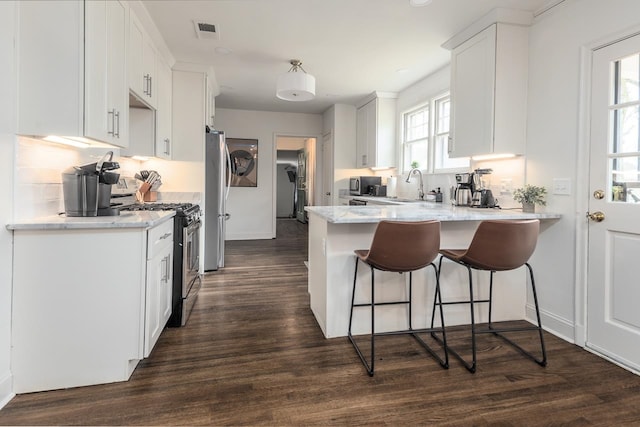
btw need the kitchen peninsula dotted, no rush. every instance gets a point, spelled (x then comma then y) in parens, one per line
(336, 231)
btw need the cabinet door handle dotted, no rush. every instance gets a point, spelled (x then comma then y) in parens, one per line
(113, 122)
(150, 86)
(364, 159)
(164, 236)
(167, 146)
(145, 84)
(117, 129)
(449, 145)
(167, 268)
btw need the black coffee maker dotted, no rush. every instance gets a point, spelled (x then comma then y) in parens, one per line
(482, 195)
(87, 188)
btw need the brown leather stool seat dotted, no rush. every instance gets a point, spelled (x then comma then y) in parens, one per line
(497, 245)
(400, 247)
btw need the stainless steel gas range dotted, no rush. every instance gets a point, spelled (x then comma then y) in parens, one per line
(186, 256)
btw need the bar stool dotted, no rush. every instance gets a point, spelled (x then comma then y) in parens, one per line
(400, 247)
(496, 246)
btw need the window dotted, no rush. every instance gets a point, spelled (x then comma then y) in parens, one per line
(416, 137)
(427, 145)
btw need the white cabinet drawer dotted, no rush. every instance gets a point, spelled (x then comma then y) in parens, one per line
(159, 238)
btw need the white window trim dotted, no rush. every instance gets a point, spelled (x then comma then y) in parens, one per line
(431, 137)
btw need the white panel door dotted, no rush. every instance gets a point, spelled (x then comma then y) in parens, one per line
(613, 293)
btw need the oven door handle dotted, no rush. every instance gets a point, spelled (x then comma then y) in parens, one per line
(194, 225)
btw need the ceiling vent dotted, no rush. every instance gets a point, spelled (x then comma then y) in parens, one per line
(206, 30)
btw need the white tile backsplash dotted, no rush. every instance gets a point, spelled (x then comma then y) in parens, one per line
(39, 167)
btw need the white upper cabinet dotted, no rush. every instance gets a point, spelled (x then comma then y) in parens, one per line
(189, 115)
(106, 94)
(163, 114)
(73, 83)
(489, 92)
(376, 132)
(142, 63)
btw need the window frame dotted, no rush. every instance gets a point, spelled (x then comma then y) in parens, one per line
(431, 138)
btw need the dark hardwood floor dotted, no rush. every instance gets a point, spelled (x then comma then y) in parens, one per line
(252, 354)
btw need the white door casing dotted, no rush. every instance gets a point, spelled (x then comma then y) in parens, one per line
(613, 294)
(327, 169)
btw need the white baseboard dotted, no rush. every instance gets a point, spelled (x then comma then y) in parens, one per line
(249, 236)
(6, 390)
(558, 326)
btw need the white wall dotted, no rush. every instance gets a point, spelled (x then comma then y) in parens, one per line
(553, 139)
(7, 143)
(252, 208)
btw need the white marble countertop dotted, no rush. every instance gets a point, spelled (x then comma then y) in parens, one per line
(135, 219)
(417, 212)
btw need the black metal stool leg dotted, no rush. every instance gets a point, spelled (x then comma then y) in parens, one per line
(499, 332)
(471, 367)
(368, 367)
(443, 362)
(410, 299)
(490, 296)
(543, 361)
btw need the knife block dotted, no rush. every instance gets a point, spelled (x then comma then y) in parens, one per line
(150, 196)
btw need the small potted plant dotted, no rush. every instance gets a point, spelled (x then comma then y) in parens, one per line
(530, 196)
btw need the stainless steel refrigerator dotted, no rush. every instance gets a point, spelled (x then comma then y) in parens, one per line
(216, 193)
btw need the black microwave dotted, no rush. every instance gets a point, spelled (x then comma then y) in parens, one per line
(363, 185)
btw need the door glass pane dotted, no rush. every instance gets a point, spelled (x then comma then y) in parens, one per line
(624, 153)
(626, 130)
(625, 179)
(627, 74)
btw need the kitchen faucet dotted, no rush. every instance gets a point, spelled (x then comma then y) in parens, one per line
(421, 186)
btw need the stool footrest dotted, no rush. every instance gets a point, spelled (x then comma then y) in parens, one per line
(496, 331)
(462, 302)
(382, 303)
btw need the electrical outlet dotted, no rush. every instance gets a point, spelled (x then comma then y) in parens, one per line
(506, 186)
(562, 186)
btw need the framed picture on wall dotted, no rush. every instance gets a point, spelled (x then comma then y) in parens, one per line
(244, 162)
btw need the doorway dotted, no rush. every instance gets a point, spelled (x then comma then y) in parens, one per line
(612, 315)
(294, 179)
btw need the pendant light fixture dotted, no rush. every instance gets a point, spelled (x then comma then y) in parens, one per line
(296, 85)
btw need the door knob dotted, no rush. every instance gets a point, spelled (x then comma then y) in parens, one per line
(598, 194)
(327, 193)
(596, 216)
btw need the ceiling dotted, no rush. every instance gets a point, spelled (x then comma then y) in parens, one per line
(352, 47)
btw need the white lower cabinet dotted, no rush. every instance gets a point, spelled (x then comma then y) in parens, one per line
(88, 304)
(158, 284)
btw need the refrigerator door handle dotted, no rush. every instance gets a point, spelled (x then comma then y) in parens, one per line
(226, 150)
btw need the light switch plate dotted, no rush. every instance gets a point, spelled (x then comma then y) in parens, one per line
(562, 186)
